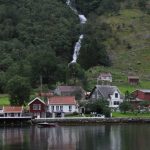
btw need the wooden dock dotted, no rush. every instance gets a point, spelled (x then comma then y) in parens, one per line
(15, 121)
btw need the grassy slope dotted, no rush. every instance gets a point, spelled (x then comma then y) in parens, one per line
(130, 27)
(4, 100)
(130, 115)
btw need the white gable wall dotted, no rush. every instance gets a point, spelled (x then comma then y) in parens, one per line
(115, 100)
(107, 78)
(63, 108)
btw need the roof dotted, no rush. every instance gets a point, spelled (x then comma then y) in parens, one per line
(133, 77)
(144, 90)
(105, 74)
(62, 100)
(37, 98)
(12, 109)
(106, 90)
(69, 88)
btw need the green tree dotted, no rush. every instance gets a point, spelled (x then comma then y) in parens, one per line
(98, 6)
(75, 73)
(98, 106)
(19, 90)
(125, 106)
(144, 105)
(127, 95)
(2, 81)
(29, 28)
(93, 51)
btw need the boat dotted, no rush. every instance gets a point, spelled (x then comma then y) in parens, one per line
(47, 125)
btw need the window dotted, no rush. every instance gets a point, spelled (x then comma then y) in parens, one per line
(116, 95)
(116, 102)
(61, 108)
(36, 106)
(57, 108)
(70, 108)
(52, 107)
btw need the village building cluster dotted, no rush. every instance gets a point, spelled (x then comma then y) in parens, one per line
(64, 99)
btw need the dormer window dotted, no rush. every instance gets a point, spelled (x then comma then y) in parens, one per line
(116, 95)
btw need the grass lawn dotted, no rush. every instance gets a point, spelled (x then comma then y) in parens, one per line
(126, 87)
(130, 115)
(4, 100)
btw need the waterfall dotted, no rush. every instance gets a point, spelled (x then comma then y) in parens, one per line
(78, 43)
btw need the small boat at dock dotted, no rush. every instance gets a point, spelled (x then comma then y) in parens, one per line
(47, 125)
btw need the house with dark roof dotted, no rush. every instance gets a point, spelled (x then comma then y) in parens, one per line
(37, 108)
(62, 104)
(76, 91)
(12, 111)
(109, 93)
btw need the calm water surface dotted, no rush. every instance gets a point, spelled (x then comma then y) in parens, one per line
(103, 137)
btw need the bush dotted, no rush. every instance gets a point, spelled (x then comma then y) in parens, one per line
(99, 106)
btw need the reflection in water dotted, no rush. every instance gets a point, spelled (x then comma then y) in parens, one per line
(11, 136)
(104, 137)
(115, 137)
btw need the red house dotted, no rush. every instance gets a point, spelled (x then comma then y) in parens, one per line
(142, 94)
(37, 108)
(133, 80)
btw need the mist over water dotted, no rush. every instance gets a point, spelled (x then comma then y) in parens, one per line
(83, 20)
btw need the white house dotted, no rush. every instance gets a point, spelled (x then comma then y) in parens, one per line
(109, 93)
(105, 77)
(62, 104)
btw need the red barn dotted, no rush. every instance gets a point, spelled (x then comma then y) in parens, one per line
(142, 94)
(37, 108)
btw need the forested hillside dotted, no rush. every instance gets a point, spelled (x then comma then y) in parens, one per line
(37, 39)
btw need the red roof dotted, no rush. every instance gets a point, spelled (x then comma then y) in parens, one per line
(12, 109)
(62, 100)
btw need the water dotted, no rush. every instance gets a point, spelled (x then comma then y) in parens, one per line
(103, 137)
(83, 20)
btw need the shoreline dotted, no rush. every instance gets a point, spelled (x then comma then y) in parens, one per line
(71, 121)
(90, 120)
